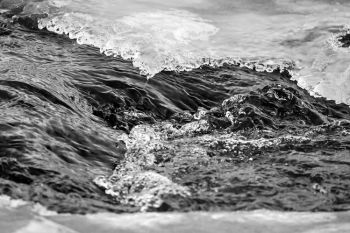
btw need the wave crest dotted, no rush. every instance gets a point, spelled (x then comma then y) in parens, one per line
(162, 40)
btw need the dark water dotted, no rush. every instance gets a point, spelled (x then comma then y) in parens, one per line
(81, 132)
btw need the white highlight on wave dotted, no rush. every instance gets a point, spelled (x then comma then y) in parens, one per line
(156, 41)
(7, 202)
(329, 73)
(183, 35)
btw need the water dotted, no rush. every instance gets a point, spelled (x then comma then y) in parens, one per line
(184, 35)
(25, 217)
(192, 105)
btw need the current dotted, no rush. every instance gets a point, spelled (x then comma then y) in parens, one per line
(128, 106)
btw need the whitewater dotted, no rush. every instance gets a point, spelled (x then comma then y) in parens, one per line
(183, 35)
(236, 112)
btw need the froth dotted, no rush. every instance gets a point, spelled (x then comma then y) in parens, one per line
(154, 41)
(329, 73)
(180, 36)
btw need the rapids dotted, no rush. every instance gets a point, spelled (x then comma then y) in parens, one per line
(244, 105)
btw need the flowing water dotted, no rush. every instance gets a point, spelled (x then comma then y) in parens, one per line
(153, 105)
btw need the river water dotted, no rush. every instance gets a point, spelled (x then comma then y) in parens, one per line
(139, 105)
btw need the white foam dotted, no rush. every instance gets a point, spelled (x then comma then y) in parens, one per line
(9, 203)
(130, 182)
(329, 73)
(154, 41)
(42, 225)
(166, 35)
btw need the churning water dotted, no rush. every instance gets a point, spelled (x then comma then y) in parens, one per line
(158, 35)
(175, 105)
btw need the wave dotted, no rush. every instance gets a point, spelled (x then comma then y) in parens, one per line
(158, 36)
(69, 115)
(154, 47)
(211, 141)
(150, 45)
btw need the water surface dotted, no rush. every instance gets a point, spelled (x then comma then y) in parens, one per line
(192, 105)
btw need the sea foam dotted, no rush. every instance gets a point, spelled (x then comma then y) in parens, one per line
(182, 36)
(155, 41)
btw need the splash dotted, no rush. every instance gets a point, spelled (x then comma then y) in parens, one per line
(155, 41)
(163, 35)
(131, 182)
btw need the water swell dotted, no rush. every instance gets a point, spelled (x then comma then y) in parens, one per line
(151, 40)
(197, 150)
(232, 134)
(122, 41)
(156, 40)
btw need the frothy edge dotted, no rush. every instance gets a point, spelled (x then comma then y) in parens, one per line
(168, 62)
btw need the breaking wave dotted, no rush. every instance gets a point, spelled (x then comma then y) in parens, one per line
(228, 130)
(163, 40)
(184, 36)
